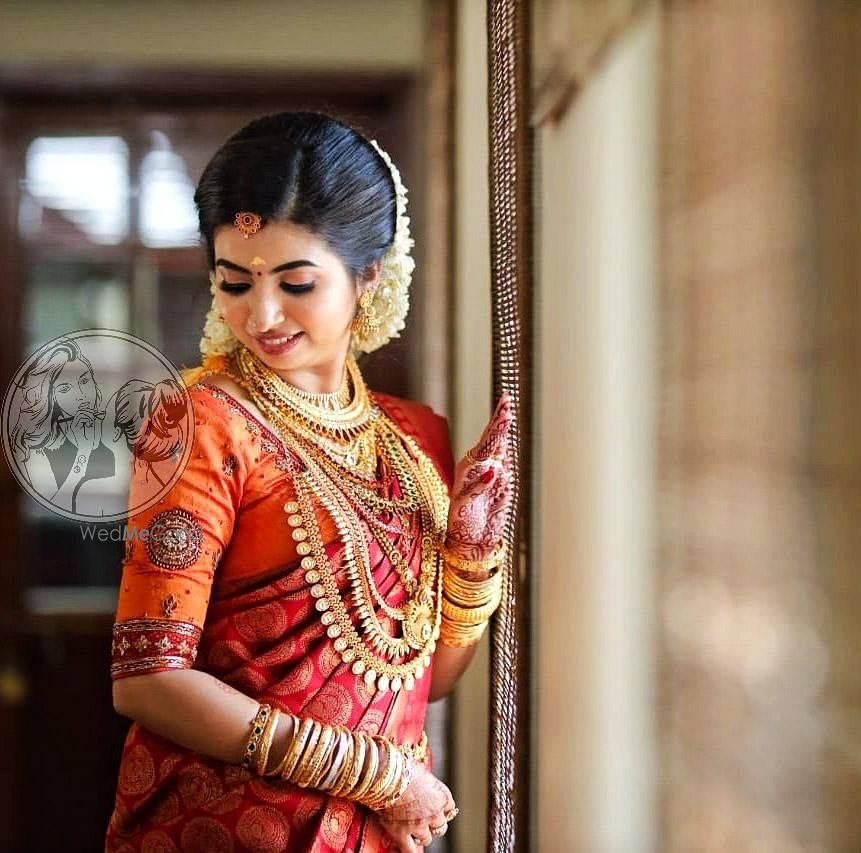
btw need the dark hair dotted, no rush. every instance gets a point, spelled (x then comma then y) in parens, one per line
(307, 168)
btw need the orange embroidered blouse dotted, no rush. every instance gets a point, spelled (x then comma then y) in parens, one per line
(220, 527)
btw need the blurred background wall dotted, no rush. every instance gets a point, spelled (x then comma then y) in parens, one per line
(697, 552)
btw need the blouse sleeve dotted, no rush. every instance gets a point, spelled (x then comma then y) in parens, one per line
(173, 547)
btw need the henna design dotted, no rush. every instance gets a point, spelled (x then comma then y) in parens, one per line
(483, 490)
(424, 799)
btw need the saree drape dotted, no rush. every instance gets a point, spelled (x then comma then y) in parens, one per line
(221, 589)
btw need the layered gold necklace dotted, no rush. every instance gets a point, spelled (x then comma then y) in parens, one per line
(346, 442)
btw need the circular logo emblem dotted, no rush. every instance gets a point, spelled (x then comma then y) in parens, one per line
(97, 425)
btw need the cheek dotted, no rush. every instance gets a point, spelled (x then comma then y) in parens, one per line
(327, 312)
(231, 309)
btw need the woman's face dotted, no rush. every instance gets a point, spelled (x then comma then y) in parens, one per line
(283, 282)
(75, 388)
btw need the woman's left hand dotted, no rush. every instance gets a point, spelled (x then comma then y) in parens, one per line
(482, 492)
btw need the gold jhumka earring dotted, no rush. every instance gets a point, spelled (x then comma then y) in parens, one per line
(366, 322)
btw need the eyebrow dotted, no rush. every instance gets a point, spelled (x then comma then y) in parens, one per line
(85, 373)
(221, 262)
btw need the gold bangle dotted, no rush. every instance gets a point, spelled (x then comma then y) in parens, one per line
(297, 745)
(469, 593)
(302, 767)
(460, 636)
(488, 564)
(355, 767)
(343, 772)
(257, 725)
(395, 767)
(278, 769)
(322, 755)
(266, 742)
(470, 615)
(405, 783)
(372, 763)
(379, 790)
(338, 753)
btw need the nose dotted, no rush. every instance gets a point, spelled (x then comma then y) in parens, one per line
(265, 312)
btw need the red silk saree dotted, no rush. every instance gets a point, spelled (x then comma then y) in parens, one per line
(224, 592)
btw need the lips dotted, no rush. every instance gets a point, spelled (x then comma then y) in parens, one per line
(275, 339)
(279, 344)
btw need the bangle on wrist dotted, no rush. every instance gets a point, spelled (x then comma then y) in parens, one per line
(257, 726)
(474, 567)
(293, 724)
(460, 636)
(370, 769)
(265, 743)
(405, 783)
(294, 751)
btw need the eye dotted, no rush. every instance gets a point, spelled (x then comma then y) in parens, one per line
(234, 287)
(297, 288)
(238, 287)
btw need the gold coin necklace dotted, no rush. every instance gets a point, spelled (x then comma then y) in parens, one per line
(336, 467)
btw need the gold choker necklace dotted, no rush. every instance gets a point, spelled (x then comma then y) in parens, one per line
(332, 401)
(316, 411)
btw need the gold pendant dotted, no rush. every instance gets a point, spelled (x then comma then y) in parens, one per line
(419, 623)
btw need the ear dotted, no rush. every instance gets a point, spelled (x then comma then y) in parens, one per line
(369, 278)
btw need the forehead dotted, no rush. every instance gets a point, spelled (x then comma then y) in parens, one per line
(276, 242)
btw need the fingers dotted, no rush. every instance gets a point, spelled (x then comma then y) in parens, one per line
(494, 439)
(421, 838)
(438, 831)
(403, 838)
(489, 476)
(478, 475)
(424, 833)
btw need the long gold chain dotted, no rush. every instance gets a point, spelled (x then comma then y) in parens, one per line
(345, 490)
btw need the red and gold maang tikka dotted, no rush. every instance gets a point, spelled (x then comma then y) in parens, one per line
(248, 223)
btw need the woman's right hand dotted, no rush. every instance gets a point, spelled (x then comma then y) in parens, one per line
(424, 805)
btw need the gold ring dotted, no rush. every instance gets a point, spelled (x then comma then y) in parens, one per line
(471, 456)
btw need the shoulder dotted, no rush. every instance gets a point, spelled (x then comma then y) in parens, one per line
(240, 419)
(221, 394)
(218, 414)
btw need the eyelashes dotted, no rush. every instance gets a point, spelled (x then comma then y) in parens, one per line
(236, 288)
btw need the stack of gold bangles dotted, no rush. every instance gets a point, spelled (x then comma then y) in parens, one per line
(371, 769)
(470, 596)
